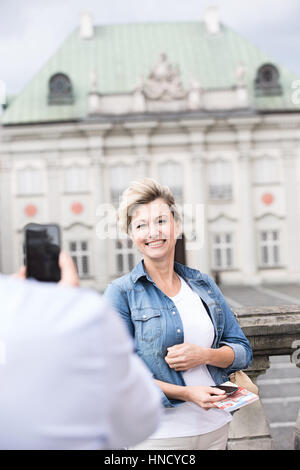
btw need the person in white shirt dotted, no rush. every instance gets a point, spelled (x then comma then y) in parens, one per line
(68, 372)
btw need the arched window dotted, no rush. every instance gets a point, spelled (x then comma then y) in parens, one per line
(220, 179)
(120, 177)
(265, 170)
(171, 174)
(29, 181)
(267, 81)
(76, 179)
(60, 89)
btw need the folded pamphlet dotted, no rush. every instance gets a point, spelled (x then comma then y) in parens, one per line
(238, 399)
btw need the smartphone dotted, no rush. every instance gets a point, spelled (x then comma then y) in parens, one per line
(228, 389)
(42, 245)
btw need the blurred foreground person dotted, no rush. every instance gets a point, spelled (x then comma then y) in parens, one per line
(69, 377)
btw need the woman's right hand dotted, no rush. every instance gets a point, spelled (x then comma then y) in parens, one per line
(204, 396)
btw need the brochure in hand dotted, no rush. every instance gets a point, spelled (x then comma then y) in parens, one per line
(238, 399)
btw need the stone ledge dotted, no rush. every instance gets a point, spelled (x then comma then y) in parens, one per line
(251, 444)
(271, 330)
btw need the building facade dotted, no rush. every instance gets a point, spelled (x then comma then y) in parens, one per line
(193, 105)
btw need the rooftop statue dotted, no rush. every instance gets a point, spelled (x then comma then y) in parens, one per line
(164, 82)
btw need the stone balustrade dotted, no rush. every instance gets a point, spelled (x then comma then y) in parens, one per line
(271, 331)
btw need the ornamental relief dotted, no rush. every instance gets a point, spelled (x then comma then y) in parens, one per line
(164, 82)
(163, 91)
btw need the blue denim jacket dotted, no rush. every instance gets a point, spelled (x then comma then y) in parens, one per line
(155, 324)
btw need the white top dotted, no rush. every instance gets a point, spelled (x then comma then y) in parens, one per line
(189, 419)
(69, 377)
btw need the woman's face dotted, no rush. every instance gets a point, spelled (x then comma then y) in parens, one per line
(154, 230)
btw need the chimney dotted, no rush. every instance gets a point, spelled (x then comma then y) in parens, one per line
(212, 20)
(2, 94)
(86, 25)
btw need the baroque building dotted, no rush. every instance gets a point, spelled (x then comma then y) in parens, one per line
(193, 105)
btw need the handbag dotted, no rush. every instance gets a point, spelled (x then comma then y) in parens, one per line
(242, 380)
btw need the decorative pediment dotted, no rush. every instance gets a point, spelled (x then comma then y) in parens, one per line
(162, 90)
(222, 218)
(269, 217)
(77, 226)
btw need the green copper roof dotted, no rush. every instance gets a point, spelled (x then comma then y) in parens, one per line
(120, 54)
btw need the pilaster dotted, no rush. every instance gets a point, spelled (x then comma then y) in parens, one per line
(289, 157)
(6, 215)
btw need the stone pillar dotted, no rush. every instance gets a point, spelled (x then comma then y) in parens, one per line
(54, 191)
(249, 428)
(142, 166)
(6, 214)
(297, 433)
(100, 245)
(247, 252)
(272, 331)
(140, 133)
(198, 250)
(292, 210)
(200, 246)
(101, 259)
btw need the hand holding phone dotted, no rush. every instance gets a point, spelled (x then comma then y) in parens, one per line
(42, 244)
(228, 389)
(69, 275)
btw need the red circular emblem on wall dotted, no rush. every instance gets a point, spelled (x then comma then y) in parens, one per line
(77, 208)
(30, 210)
(268, 198)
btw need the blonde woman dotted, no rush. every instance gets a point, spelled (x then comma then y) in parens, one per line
(183, 328)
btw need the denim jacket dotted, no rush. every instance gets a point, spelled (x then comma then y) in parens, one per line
(155, 324)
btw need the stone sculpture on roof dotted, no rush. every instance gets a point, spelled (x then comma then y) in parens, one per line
(164, 82)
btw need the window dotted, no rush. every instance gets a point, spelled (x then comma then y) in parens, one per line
(222, 251)
(29, 181)
(76, 179)
(269, 241)
(267, 81)
(60, 90)
(265, 171)
(170, 174)
(120, 177)
(125, 259)
(219, 178)
(79, 251)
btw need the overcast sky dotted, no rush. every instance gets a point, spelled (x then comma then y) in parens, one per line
(31, 30)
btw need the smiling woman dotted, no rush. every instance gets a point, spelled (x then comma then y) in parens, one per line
(183, 328)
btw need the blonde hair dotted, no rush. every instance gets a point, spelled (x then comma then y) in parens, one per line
(143, 192)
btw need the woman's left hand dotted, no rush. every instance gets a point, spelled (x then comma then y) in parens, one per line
(185, 356)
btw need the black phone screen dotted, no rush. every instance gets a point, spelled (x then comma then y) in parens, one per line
(229, 390)
(41, 249)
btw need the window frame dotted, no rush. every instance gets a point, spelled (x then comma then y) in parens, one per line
(268, 246)
(33, 181)
(115, 194)
(63, 97)
(163, 168)
(76, 190)
(125, 250)
(79, 255)
(223, 246)
(225, 189)
(265, 87)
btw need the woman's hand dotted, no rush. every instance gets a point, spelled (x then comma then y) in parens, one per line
(205, 397)
(186, 356)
